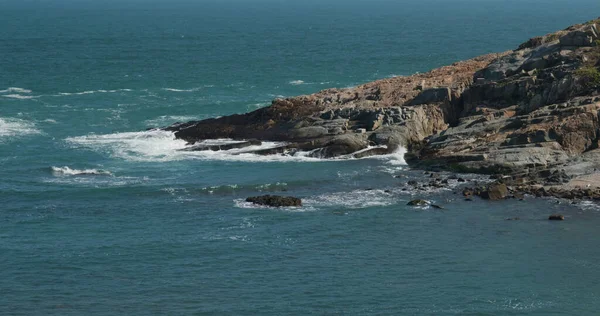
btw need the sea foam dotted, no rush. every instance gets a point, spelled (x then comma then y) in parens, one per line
(159, 145)
(66, 171)
(12, 127)
(15, 90)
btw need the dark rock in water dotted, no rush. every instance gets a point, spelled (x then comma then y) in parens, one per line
(413, 183)
(495, 192)
(418, 203)
(469, 199)
(467, 192)
(275, 201)
(461, 180)
(387, 191)
(437, 206)
(556, 217)
(453, 177)
(513, 219)
(203, 147)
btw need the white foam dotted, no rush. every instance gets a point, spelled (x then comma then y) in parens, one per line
(181, 90)
(396, 158)
(10, 127)
(353, 200)
(20, 97)
(158, 145)
(66, 171)
(296, 82)
(92, 92)
(106, 181)
(15, 90)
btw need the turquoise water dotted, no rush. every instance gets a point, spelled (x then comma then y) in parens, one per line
(100, 217)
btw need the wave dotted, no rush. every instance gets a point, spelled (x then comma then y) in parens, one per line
(187, 90)
(11, 127)
(21, 97)
(301, 82)
(15, 90)
(158, 145)
(92, 92)
(181, 90)
(66, 171)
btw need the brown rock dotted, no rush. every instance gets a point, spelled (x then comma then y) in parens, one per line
(495, 192)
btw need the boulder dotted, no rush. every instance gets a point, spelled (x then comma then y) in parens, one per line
(341, 145)
(556, 217)
(275, 200)
(496, 191)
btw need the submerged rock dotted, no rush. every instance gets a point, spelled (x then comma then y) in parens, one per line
(418, 203)
(275, 200)
(556, 217)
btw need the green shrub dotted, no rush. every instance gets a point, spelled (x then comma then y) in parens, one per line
(590, 75)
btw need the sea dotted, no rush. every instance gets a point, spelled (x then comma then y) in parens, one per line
(101, 214)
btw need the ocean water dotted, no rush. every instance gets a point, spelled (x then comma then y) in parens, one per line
(99, 216)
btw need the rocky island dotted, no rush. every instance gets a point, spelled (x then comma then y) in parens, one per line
(528, 116)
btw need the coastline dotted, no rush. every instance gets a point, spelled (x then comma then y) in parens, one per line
(529, 116)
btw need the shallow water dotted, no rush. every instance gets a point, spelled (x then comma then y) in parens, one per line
(99, 216)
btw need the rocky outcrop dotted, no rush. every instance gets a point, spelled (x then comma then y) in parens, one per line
(525, 113)
(275, 201)
(388, 113)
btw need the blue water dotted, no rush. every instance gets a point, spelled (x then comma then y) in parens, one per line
(100, 217)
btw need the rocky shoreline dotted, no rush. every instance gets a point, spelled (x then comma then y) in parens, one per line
(528, 116)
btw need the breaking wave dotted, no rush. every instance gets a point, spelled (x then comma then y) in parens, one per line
(92, 92)
(66, 171)
(159, 145)
(15, 90)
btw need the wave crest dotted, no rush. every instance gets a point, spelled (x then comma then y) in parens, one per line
(66, 171)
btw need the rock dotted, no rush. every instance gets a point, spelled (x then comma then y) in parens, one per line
(437, 207)
(275, 201)
(495, 192)
(227, 146)
(341, 145)
(513, 114)
(513, 219)
(418, 203)
(412, 183)
(556, 217)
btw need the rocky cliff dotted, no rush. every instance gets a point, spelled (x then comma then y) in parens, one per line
(521, 112)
